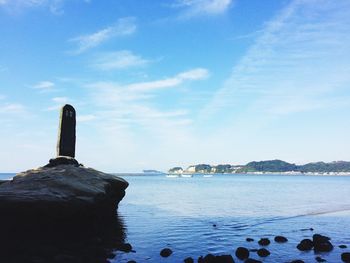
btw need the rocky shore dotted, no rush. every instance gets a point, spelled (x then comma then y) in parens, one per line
(320, 245)
(61, 189)
(61, 213)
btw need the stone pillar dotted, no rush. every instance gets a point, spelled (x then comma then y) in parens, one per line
(66, 132)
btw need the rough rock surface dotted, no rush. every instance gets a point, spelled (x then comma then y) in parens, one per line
(61, 190)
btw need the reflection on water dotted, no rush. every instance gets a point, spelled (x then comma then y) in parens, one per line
(69, 241)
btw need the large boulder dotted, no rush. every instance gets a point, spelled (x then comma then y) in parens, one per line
(61, 190)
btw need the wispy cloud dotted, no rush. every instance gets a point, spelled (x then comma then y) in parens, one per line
(54, 6)
(86, 118)
(44, 86)
(58, 102)
(194, 74)
(301, 57)
(118, 60)
(132, 105)
(12, 108)
(123, 27)
(192, 8)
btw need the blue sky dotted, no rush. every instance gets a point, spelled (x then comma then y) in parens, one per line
(158, 84)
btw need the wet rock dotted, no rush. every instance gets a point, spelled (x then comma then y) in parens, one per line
(248, 239)
(305, 245)
(317, 238)
(214, 225)
(224, 259)
(253, 250)
(307, 229)
(264, 242)
(263, 252)
(280, 239)
(242, 253)
(319, 259)
(323, 247)
(125, 247)
(297, 261)
(188, 260)
(166, 252)
(322, 243)
(252, 260)
(131, 261)
(209, 258)
(345, 257)
(343, 246)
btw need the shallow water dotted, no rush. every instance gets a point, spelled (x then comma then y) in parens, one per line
(180, 213)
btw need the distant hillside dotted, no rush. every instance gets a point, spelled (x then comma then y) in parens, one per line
(274, 166)
(269, 166)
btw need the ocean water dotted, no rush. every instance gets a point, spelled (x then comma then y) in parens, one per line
(196, 216)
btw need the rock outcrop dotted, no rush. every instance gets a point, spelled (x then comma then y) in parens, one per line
(61, 190)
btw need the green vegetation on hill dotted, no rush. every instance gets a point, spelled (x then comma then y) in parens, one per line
(270, 166)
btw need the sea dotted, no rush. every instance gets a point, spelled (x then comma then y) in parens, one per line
(200, 215)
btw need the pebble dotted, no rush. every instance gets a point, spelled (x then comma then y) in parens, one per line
(343, 246)
(263, 252)
(248, 239)
(280, 239)
(345, 257)
(297, 261)
(242, 253)
(166, 252)
(264, 242)
(224, 259)
(188, 260)
(305, 245)
(321, 243)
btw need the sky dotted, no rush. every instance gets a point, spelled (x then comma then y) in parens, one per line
(158, 84)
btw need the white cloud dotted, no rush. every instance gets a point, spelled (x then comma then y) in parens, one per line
(119, 60)
(299, 62)
(61, 100)
(12, 108)
(202, 7)
(129, 107)
(54, 6)
(58, 103)
(123, 27)
(44, 86)
(86, 118)
(194, 74)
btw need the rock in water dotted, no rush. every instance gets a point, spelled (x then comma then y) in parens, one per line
(263, 252)
(264, 242)
(242, 253)
(280, 239)
(62, 190)
(305, 245)
(322, 243)
(166, 252)
(345, 257)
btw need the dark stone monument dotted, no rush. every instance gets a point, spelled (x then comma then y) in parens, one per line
(66, 132)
